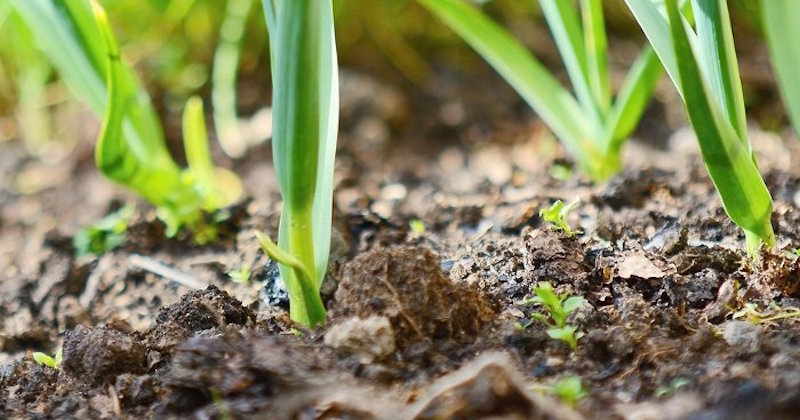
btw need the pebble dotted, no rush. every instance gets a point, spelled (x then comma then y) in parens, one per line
(638, 266)
(743, 335)
(371, 338)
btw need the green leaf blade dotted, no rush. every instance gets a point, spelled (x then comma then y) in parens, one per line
(565, 26)
(597, 54)
(556, 106)
(719, 59)
(729, 162)
(783, 39)
(305, 122)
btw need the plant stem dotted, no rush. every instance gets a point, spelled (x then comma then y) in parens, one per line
(305, 304)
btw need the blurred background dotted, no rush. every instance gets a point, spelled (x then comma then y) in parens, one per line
(173, 44)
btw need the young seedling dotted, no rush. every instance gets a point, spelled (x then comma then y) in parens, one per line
(557, 310)
(417, 226)
(131, 150)
(671, 388)
(241, 275)
(591, 125)
(47, 360)
(557, 214)
(105, 235)
(775, 312)
(702, 65)
(305, 121)
(568, 389)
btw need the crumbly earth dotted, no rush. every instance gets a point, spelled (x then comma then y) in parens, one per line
(157, 329)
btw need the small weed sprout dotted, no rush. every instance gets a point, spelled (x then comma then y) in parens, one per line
(242, 275)
(222, 407)
(47, 360)
(417, 226)
(558, 309)
(750, 312)
(569, 390)
(671, 388)
(104, 235)
(557, 214)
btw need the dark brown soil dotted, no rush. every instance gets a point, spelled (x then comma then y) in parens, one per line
(422, 324)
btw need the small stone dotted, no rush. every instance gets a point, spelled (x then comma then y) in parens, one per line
(670, 239)
(488, 387)
(394, 192)
(372, 338)
(492, 164)
(742, 335)
(638, 266)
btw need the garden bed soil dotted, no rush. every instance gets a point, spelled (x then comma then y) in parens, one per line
(423, 323)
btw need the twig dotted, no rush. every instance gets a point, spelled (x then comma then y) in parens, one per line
(169, 273)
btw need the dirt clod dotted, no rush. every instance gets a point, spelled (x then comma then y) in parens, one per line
(197, 311)
(488, 387)
(100, 354)
(551, 255)
(406, 285)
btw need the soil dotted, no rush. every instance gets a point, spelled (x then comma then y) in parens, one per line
(422, 324)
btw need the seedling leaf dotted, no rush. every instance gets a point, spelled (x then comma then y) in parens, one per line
(557, 214)
(47, 360)
(569, 390)
(104, 235)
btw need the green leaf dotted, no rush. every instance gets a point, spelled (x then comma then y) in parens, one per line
(305, 302)
(59, 356)
(783, 39)
(719, 61)
(104, 235)
(570, 390)
(729, 159)
(305, 122)
(67, 32)
(46, 360)
(568, 35)
(572, 303)
(225, 67)
(557, 214)
(557, 108)
(217, 187)
(77, 37)
(633, 97)
(656, 28)
(596, 54)
(565, 334)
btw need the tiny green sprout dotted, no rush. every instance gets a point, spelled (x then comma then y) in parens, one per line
(671, 388)
(47, 360)
(416, 226)
(558, 309)
(104, 235)
(568, 389)
(242, 275)
(560, 172)
(750, 312)
(219, 402)
(557, 214)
